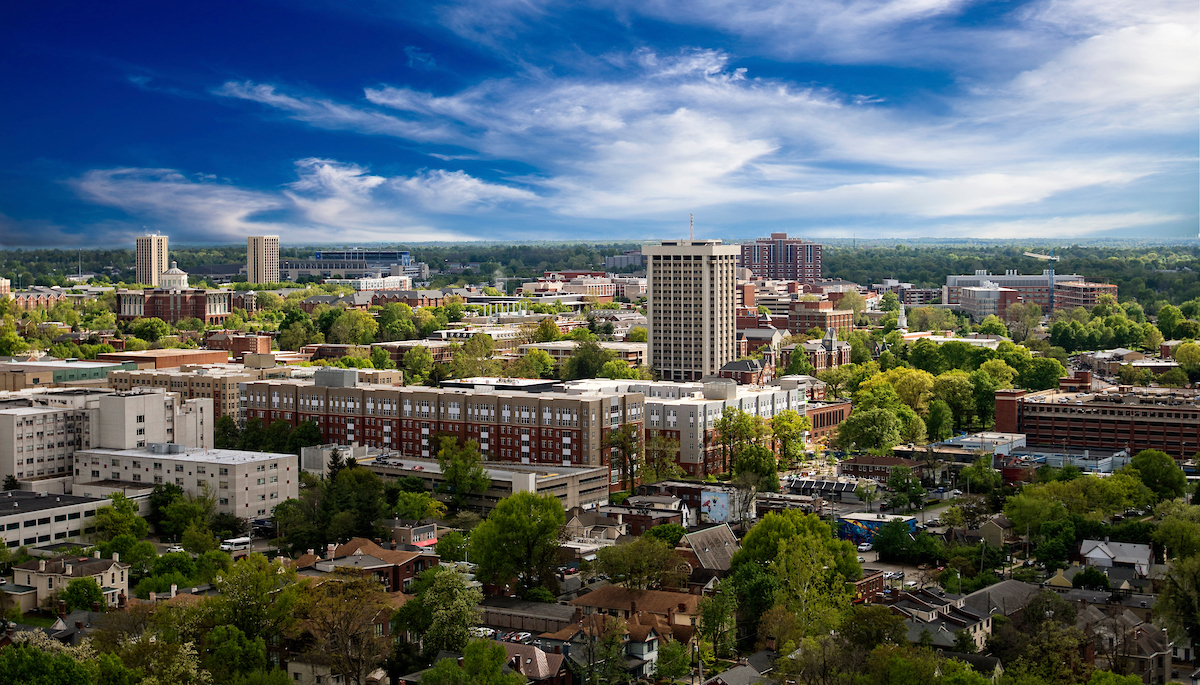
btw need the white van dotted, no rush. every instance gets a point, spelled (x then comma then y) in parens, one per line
(237, 547)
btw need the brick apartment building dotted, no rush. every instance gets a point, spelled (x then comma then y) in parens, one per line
(238, 344)
(819, 314)
(548, 427)
(826, 417)
(877, 467)
(780, 257)
(1134, 418)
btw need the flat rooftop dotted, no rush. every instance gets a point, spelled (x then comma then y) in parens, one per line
(496, 470)
(25, 502)
(56, 364)
(196, 454)
(1131, 397)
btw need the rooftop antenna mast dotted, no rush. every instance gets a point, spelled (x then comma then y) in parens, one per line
(691, 227)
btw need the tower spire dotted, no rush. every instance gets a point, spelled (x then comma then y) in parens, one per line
(691, 227)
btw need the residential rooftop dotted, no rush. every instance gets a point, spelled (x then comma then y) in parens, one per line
(24, 501)
(196, 454)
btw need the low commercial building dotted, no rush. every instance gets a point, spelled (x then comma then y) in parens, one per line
(246, 484)
(57, 373)
(878, 468)
(574, 486)
(165, 358)
(34, 518)
(632, 353)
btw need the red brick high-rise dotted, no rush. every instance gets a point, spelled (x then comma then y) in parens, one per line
(783, 258)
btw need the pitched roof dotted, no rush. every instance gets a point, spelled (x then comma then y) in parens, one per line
(367, 547)
(1119, 552)
(81, 567)
(714, 547)
(738, 675)
(535, 664)
(655, 601)
(1006, 597)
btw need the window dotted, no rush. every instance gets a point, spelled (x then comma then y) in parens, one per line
(137, 477)
(200, 469)
(141, 419)
(223, 471)
(223, 501)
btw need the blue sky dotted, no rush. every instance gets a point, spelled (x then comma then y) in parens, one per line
(539, 119)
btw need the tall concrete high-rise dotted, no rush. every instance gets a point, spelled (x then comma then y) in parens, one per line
(262, 259)
(151, 258)
(690, 310)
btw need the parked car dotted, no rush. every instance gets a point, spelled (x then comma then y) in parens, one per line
(862, 560)
(175, 548)
(866, 547)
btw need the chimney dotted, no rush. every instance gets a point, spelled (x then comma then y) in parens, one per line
(95, 607)
(632, 607)
(393, 543)
(174, 589)
(557, 649)
(79, 625)
(62, 609)
(329, 549)
(116, 556)
(310, 551)
(41, 566)
(67, 568)
(578, 617)
(682, 608)
(96, 554)
(519, 667)
(153, 596)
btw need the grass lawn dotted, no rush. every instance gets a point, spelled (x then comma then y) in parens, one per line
(37, 620)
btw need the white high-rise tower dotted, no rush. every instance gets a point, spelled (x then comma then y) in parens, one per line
(151, 258)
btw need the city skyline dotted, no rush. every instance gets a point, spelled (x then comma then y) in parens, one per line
(534, 121)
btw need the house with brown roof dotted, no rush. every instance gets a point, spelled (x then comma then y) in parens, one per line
(678, 608)
(395, 569)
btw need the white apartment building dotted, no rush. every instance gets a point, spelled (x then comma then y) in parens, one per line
(151, 258)
(262, 259)
(40, 433)
(247, 484)
(690, 307)
(687, 412)
(38, 518)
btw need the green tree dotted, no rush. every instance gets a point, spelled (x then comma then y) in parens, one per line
(662, 453)
(717, 614)
(586, 361)
(462, 469)
(547, 331)
(872, 429)
(229, 654)
(625, 447)
(866, 492)
(306, 434)
(940, 424)
(418, 362)
(161, 497)
(1169, 317)
(763, 543)
(119, 518)
(441, 611)
(520, 540)
(810, 588)
(226, 434)
(760, 463)
(905, 487)
(955, 389)
(1179, 536)
(674, 660)
(381, 358)
(991, 325)
(82, 593)
(980, 475)
(27, 664)
(10, 483)
(415, 506)
(1041, 373)
(1178, 605)
(637, 334)
(533, 364)
(1159, 472)
(340, 615)
(354, 327)
(452, 546)
(788, 427)
(257, 596)
(151, 329)
(616, 369)
(483, 664)
(639, 565)
(866, 627)
(669, 533)
(475, 358)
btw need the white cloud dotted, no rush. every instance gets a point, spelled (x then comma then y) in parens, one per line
(329, 200)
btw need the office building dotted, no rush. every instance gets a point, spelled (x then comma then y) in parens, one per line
(690, 307)
(1036, 288)
(1136, 419)
(262, 259)
(40, 433)
(151, 258)
(780, 257)
(246, 484)
(687, 412)
(56, 373)
(218, 382)
(988, 299)
(1072, 294)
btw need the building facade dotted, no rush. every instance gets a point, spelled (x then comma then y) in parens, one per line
(1136, 419)
(262, 259)
(210, 306)
(690, 307)
(1072, 294)
(151, 258)
(782, 258)
(37, 518)
(1036, 288)
(806, 315)
(989, 299)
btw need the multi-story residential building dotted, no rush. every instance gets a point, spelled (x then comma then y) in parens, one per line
(5, 287)
(151, 258)
(1137, 419)
(40, 434)
(988, 299)
(503, 337)
(412, 298)
(631, 258)
(688, 412)
(806, 315)
(908, 294)
(1072, 294)
(57, 373)
(38, 518)
(528, 428)
(247, 484)
(690, 307)
(1036, 288)
(375, 282)
(51, 576)
(560, 351)
(782, 257)
(38, 297)
(262, 259)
